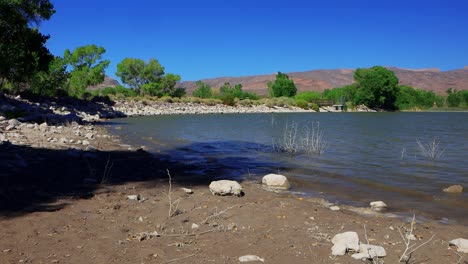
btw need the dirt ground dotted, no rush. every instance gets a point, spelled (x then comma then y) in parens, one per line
(107, 227)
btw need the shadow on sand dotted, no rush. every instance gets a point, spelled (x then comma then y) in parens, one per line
(34, 179)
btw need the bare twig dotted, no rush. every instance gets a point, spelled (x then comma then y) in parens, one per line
(186, 235)
(374, 258)
(217, 214)
(177, 259)
(410, 249)
(173, 205)
(107, 170)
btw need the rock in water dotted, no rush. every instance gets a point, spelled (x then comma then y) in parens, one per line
(378, 206)
(249, 258)
(454, 189)
(226, 187)
(345, 241)
(367, 251)
(461, 243)
(275, 181)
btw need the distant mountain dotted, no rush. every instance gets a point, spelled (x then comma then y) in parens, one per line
(319, 80)
(108, 82)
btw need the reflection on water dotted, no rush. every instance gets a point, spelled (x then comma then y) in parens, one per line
(370, 156)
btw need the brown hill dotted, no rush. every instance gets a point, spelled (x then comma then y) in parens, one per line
(108, 82)
(319, 80)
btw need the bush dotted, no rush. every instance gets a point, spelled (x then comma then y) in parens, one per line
(228, 99)
(203, 90)
(340, 94)
(314, 107)
(302, 103)
(109, 90)
(308, 96)
(125, 91)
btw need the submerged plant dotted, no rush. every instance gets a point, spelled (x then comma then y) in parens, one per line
(310, 140)
(288, 141)
(431, 149)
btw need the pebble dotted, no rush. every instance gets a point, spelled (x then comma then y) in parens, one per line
(250, 258)
(134, 197)
(187, 191)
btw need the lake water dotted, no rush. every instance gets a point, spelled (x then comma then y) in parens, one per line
(369, 156)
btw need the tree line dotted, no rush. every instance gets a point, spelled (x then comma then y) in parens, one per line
(26, 65)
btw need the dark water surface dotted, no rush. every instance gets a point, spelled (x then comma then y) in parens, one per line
(370, 156)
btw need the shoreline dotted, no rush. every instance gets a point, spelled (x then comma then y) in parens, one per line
(82, 203)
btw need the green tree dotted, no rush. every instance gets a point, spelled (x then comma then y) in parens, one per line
(203, 90)
(148, 78)
(377, 87)
(341, 94)
(408, 98)
(87, 68)
(282, 86)
(130, 71)
(22, 46)
(168, 84)
(53, 81)
(454, 98)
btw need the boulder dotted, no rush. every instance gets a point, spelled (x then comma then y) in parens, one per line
(378, 206)
(461, 243)
(226, 187)
(367, 251)
(2, 137)
(334, 208)
(344, 242)
(454, 189)
(275, 181)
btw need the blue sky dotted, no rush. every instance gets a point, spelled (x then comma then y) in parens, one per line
(204, 39)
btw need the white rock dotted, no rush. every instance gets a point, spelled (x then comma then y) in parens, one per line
(43, 126)
(345, 241)
(461, 243)
(187, 191)
(63, 140)
(367, 251)
(133, 197)
(14, 122)
(89, 136)
(249, 258)
(195, 226)
(225, 187)
(85, 142)
(10, 127)
(275, 181)
(378, 206)
(2, 137)
(334, 208)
